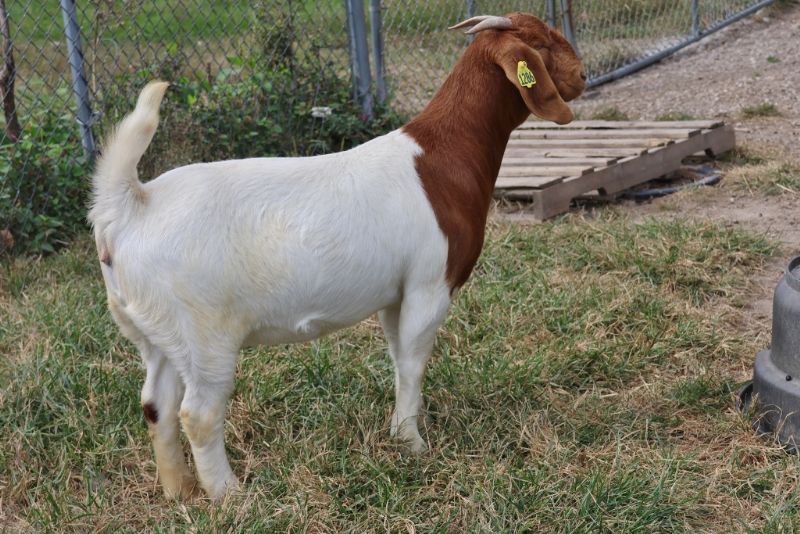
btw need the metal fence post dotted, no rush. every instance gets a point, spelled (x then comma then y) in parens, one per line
(551, 13)
(359, 55)
(566, 24)
(470, 14)
(79, 86)
(8, 73)
(377, 50)
(695, 17)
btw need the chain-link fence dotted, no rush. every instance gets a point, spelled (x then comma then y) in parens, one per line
(616, 37)
(272, 77)
(245, 75)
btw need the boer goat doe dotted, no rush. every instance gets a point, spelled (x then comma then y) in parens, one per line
(212, 257)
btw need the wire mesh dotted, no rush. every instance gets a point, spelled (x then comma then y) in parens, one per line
(262, 63)
(259, 63)
(420, 51)
(614, 33)
(615, 37)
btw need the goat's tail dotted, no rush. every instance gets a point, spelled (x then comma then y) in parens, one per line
(116, 185)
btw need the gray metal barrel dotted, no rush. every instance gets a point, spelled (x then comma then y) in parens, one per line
(786, 321)
(776, 373)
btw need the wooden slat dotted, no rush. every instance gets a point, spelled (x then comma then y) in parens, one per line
(554, 164)
(561, 162)
(514, 172)
(588, 143)
(574, 152)
(630, 171)
(631, 133)
(527, 182)
(578, 125)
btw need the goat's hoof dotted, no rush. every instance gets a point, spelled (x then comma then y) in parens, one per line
(186, 489)
(417, 447)
(225, 489)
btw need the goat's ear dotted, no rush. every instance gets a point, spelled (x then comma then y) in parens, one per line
(525, 68)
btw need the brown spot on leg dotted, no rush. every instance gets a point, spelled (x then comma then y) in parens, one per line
(150, 413)
(106, 258)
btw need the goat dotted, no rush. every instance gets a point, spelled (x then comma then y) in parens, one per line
(208, 258)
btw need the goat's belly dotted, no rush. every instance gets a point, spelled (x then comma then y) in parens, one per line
(305, 329)
(297, 317)
(308, 330)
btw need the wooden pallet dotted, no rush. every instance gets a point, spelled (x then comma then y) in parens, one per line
(551, 164)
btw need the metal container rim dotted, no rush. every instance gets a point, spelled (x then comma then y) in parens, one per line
(792, 273)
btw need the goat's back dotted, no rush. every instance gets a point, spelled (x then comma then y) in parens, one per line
(291, 247)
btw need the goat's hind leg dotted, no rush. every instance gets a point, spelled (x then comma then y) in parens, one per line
(203, 416)
(161, 397)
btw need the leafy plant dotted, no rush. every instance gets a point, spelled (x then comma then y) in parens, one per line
(43, 183)
(245, 111)
(249, 111)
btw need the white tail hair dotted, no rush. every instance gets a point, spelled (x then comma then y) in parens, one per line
(116, 186)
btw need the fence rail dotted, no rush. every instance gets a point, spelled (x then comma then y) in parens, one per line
(71, 68)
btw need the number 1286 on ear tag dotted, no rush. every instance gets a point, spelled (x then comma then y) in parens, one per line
(525, 76)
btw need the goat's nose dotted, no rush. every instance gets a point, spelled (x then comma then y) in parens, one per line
(583, 76)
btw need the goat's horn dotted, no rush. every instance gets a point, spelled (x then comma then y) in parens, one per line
(469, 22)
(484, 22)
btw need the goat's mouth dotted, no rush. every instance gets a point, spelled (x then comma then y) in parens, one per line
(572, 91)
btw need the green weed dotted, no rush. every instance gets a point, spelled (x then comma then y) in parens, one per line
(761, 110)
(676, 116)
(610, 114)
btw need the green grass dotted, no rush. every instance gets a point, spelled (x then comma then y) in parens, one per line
(761, 110)
(741, 155)
(610, 114)
(154, 20)
(676, 116)
(582, 383)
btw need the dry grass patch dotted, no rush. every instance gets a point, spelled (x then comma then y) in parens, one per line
(769, 177)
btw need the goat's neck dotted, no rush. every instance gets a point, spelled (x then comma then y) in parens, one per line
(463, 134)
(470, 119)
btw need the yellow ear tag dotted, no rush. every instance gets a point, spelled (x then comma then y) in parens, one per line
(525, 76)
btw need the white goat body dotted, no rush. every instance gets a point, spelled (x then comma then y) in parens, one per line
(211, 257)
(281, 249)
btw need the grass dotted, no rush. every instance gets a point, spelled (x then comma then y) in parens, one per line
(583, 382)
(741, 155)
(610, 114)
(767, 177)
(761, 110)
(676, 116)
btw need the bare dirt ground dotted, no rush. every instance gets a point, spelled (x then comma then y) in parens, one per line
(751, 63)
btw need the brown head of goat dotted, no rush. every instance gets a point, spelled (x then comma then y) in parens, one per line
(465, 128)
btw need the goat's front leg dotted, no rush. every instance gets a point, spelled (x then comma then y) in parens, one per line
(203, 416)
(421, 313)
